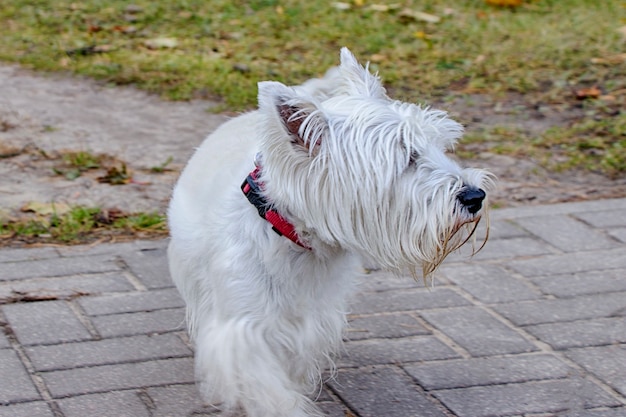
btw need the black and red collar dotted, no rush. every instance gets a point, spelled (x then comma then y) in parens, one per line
(251, 188)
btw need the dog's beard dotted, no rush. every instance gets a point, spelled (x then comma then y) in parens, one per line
(451, 240)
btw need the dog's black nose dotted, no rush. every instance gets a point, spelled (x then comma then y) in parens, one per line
(471, 198)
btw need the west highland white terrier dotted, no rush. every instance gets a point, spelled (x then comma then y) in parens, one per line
(333, 171)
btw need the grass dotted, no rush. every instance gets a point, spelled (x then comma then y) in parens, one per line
(221, 48)
(81, 224)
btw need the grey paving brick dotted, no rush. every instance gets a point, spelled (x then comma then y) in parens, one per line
(119, 377)
(487, 371)
(490, 283)
(405, 300)
(604, 412)
(33, 409)
(333, 409)
(45, 322)
(578, 308)
(619, 234)
(383, 392)
(132, 302)
(107, 351)
(128, 324)
(31, 254)
(503, 248)
(67, 286)
(502, 229)
(57, 267)
(4, 342)
(525, 398)
(571, 262)
(608, 363)
(177, 400)
(21, 387)
(566, 233)
(584, 333)
(150, 266)
(562, 208)
(383, 281)
(110, 404)
(477, 331)
(387, 325)
(603, 219)
(388, 351)
(592, 282)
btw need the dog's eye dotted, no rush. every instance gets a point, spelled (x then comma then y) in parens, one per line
(413, 158)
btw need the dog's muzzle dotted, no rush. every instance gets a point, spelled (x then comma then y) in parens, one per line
(471, 198)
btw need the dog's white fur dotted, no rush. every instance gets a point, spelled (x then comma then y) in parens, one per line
(359, 176)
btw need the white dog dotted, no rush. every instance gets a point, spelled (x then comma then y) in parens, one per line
(342, 173)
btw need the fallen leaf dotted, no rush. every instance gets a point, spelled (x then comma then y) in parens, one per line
(408, 15)
(586, 93)
(45, 209)
(505, 3)
(161, 43)
(384, 7)
(610, 60)
(341, 5)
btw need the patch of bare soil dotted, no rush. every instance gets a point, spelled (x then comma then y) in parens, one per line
(44, 117)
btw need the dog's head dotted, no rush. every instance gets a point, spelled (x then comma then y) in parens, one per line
(356, 169)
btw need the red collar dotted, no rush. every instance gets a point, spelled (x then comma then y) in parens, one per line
(251, 188)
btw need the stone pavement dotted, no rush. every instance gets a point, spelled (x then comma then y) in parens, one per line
(535, 324)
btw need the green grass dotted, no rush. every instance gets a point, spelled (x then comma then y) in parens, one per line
(223, 47)
(81, 224)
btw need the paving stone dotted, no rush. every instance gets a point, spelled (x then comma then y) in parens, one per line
(502, 229)
(566, 233)
(561, 208)
(150, 266)
(592, 282)
(132, 302)
(4, 342)
(67, 286)
(333, 409)
(107, 351)
(31, 254)
(477, 331)
(383, 392)
(584, 333)
(110, 404)
(384, 351)
(119, 377)
(177, 400)
(34, 409)
(603, 219)
(487, 371)
(525, 398)
(490, 283)
(159, 321)
(383, 281)
(571, 262)
(607, 363)
(57, 267)
(45, 322)
(610, 412)
(386, 326)
(619, 234)
(406, 300)
(578, 308)
(21, 387)
(503, 248)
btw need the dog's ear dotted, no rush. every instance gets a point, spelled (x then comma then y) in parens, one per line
(299, 117)
(357, 79)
